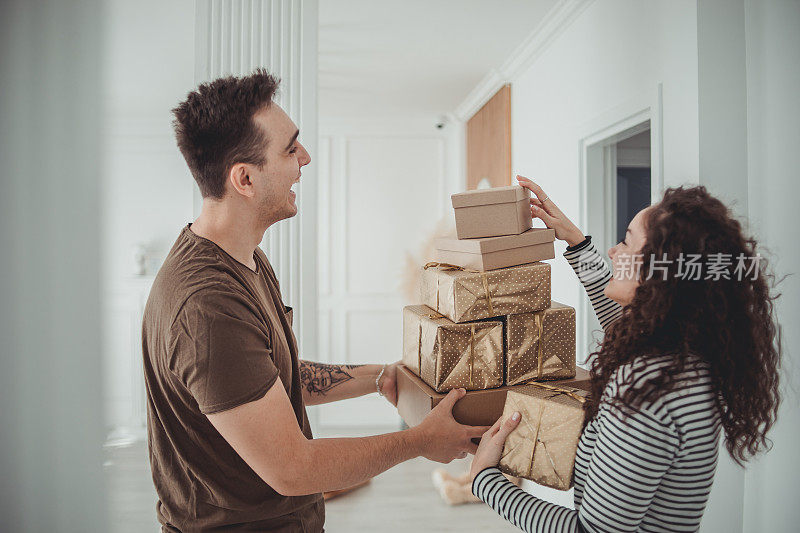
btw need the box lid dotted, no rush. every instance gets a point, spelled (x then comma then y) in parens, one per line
(486, 245)
(495, 195)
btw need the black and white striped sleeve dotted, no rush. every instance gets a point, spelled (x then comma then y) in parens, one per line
(631, 456)
(523, 510)
(593, 272)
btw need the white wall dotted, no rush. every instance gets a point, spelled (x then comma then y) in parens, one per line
(384, 185)
(615, 52)
(147, 189)
(773, 115)
(149, 69)
(613, 55)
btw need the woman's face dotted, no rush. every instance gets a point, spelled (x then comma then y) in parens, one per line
(626, 261)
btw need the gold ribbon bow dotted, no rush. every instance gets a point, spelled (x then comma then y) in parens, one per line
(448, 266)
(569, 391)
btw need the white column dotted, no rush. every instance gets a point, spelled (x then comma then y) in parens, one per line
(51, 416)
(233, 37)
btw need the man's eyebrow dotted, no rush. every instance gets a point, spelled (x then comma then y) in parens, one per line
(628, 231)
(292, 140)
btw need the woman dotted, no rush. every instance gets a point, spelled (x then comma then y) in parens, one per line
(686, 355)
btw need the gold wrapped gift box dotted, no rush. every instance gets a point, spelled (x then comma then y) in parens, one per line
(447, 355)
(463, 295)
(543, 446)
(541, 345)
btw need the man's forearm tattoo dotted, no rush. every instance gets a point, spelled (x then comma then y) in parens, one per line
(319, 378)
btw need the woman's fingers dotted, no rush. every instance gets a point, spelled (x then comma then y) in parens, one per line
(541, 214)
(507, 427)
(541, 199)
(543, 208)
(531, 186)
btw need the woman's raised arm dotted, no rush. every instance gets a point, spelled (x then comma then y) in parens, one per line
(590, 267)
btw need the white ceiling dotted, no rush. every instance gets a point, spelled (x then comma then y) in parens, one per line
(414, 57)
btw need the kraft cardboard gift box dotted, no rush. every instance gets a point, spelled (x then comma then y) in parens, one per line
(490, 253)
(415, 399)
(447, 355)
(542, 448)
(541, 345)
(464, 296)
(492, 212)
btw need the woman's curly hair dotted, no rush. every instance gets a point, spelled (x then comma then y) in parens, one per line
(729, 323)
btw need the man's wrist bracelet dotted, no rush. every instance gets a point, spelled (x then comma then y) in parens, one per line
(378, 380)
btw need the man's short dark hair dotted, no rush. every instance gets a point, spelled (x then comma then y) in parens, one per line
(215, 129)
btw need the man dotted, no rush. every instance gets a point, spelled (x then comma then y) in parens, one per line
(230, 443)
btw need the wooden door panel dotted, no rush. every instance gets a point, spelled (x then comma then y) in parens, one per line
(489, 142)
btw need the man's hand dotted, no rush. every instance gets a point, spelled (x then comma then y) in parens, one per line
(491, 446)
(388, 383)
(444, 439)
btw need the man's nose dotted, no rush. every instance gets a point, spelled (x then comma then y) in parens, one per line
(305, 157)
(611, 252)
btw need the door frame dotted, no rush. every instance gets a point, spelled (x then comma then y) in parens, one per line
(597, 152)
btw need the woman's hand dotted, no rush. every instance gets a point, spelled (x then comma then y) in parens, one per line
(491, 447)
(543, 208)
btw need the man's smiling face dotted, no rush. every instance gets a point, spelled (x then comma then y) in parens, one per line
(285, 157)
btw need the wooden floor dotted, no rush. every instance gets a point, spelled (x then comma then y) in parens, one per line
(401, 499)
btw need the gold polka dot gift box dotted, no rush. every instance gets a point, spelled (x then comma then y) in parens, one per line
(541, 345)
(464, 295)
(542, 448)
(446, 355)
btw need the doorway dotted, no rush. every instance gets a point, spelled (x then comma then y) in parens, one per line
(630, 181)
(619, 182)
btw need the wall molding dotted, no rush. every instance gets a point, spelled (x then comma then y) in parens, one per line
(555, 22)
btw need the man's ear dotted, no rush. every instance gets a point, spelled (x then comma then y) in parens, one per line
(239, 177)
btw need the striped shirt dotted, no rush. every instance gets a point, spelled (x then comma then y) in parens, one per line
(648, 470)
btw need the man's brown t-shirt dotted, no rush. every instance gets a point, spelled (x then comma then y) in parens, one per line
(217, 335)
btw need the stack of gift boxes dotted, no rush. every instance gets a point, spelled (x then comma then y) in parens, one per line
(487, 324)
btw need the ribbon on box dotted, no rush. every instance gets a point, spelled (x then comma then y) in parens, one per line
(539, 321)
(471, 353)
(569, 391)
(433, 315)
(448, 266)
(472, 360)
(535, 429)
(448, 354)
(540, 345)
